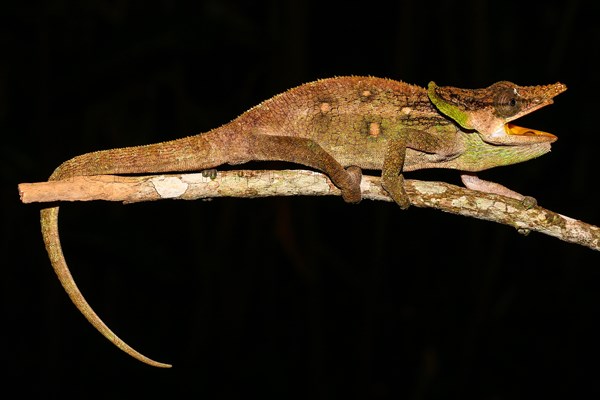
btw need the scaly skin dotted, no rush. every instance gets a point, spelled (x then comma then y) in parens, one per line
(339, 126)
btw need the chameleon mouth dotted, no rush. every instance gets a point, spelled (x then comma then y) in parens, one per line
(528, 135)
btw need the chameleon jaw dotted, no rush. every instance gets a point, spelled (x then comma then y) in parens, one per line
(528, 135)
(514, 135)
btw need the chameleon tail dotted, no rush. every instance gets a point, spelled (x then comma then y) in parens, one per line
(192, 153)
(49, 221)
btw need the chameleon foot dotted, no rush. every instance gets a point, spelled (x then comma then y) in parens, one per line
(353, 194)
(396, 190)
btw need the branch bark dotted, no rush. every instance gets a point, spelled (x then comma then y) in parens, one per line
(263, 183)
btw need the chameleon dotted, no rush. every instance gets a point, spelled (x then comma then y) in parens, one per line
(339, 126)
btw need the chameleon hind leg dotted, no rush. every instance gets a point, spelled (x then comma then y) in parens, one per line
(309, 153)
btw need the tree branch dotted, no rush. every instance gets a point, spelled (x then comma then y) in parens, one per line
(264, 183)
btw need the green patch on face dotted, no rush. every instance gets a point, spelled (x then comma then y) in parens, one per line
(447, 108)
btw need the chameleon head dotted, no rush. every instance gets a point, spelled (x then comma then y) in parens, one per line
(490, 110)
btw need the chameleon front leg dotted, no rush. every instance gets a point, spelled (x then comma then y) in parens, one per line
(307, 152)
(392, 179)
(473, 182)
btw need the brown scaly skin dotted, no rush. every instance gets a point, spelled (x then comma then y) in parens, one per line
(339, 126)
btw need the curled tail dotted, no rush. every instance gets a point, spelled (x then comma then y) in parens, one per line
(186, 154)
(49, 221)
(192, 153)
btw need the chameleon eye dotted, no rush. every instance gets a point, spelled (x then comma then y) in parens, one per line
(506, 103)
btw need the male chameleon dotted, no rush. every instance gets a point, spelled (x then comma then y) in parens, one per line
(339, 126)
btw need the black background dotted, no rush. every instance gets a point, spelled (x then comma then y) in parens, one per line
(292, 297)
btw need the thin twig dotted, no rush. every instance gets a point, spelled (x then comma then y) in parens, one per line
(264, 183)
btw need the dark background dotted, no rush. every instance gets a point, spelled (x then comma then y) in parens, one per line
(292, 297)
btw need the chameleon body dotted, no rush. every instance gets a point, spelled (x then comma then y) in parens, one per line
(339, 126)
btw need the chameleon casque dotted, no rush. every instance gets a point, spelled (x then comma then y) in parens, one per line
(339, 126)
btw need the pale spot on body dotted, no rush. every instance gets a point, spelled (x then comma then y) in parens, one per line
(374, 129)
(406, 110)
(325, 107)
(366, 95)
